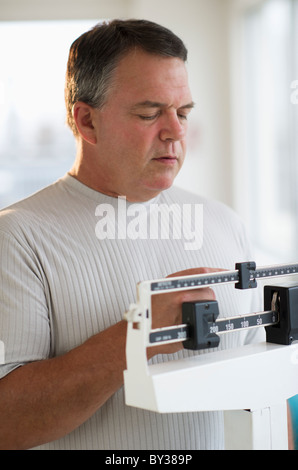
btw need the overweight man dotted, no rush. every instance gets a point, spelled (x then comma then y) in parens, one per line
(66, 277)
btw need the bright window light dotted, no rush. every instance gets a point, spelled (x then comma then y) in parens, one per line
(36, 147)
(271, 129)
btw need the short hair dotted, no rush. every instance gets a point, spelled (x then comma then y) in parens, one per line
(94, 56)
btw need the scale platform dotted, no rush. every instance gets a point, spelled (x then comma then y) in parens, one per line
(235, 379)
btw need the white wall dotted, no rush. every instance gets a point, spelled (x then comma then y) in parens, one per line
(62, 9)
(204, 27)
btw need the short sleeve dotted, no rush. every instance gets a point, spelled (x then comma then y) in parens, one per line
(24, 318)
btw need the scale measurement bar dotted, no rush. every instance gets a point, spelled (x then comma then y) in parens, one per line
(225, 325)
(241, 323)
(201, 280)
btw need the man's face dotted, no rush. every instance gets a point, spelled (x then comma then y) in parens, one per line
(141, 130)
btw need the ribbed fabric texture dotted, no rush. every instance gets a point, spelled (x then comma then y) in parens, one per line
(61, 284)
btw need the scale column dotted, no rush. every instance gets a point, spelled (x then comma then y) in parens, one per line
(264, 429)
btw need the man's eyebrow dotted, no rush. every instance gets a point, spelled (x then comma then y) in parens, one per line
(156, 104)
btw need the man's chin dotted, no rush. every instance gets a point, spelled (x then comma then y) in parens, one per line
(149, 189)
(161, 183)
(158, 188)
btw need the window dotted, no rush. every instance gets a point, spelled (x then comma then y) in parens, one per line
(36, 147)
(271, 128)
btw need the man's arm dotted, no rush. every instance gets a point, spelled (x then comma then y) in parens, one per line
(44, 400)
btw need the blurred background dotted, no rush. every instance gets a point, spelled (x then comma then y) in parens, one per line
(243, 69)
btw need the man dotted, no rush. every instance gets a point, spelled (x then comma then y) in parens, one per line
(65, 285)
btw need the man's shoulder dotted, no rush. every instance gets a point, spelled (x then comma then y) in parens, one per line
(27, 212)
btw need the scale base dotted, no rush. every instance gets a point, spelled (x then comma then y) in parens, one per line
(265, 429)
(251, 377)
(257, 377)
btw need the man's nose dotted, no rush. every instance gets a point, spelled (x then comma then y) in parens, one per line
(173, 128)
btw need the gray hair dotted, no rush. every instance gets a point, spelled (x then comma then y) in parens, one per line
(94, 56)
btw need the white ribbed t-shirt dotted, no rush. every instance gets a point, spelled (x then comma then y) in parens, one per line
(64, 279)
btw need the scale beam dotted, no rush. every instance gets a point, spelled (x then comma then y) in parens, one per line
(244, 276)
(175, 334)
(200, 328)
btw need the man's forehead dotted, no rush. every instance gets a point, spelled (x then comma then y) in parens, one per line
(146, 69)
(158, 104)
(144, 80)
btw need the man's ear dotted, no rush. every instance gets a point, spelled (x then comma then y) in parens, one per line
(83, 115)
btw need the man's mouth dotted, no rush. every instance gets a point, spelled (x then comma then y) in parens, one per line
(167, 159)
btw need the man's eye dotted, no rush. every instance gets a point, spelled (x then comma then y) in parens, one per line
(148, 117)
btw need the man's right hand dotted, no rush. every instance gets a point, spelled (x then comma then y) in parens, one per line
(167, 308)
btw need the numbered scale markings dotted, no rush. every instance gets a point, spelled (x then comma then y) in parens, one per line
(224, 325)
(248, 321)
(201, 280)
(245, 276)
